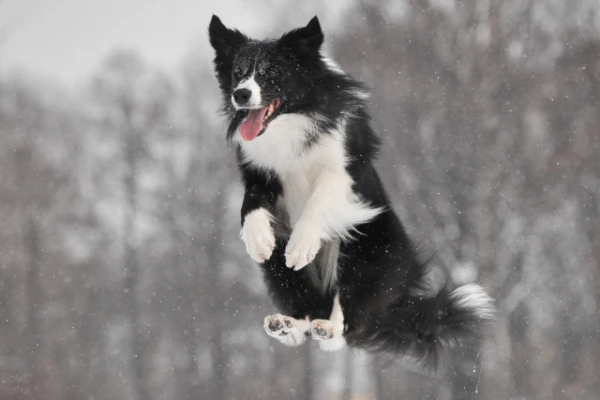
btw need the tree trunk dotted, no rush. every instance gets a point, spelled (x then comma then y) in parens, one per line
(467, 362)
(132, 267)
(348, 375)
(33, 300)
(520, 351)
(378, 381)
(215, 260)
(308, 376)
(275, 376)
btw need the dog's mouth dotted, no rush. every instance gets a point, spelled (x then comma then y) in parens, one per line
(258, 119)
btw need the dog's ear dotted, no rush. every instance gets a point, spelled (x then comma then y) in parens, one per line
(305, 40)
(224, 40)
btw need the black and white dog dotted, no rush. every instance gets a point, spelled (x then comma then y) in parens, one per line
(315, 216)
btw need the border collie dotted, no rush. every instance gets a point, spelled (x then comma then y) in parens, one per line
(337, 261)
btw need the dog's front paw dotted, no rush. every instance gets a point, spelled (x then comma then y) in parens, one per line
(258, 236)
(302, 248)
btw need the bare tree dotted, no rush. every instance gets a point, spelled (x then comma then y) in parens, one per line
(134, 104)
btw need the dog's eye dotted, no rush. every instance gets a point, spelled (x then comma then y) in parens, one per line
(238, 73)
(272, 73)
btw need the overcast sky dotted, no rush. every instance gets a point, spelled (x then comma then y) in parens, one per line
(66, 39)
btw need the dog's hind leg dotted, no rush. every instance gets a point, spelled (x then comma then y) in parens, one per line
(294, 293)
(288, 330)
(330, 332)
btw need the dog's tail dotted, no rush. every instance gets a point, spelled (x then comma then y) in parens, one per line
(420, 326)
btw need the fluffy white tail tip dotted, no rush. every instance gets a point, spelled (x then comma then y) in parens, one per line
(473, 297)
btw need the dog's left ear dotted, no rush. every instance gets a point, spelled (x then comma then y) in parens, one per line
(224, 40)
(304, 40)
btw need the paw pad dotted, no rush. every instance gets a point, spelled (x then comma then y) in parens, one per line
(322, 330)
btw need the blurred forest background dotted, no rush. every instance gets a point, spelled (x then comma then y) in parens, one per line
(122, 275)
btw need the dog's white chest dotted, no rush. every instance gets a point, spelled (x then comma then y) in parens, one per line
(282, 149)
(297, 187)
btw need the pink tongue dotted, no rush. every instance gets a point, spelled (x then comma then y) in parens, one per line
(252, 126)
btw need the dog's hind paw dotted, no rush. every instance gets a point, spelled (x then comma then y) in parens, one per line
(288, 330)
(328, 333)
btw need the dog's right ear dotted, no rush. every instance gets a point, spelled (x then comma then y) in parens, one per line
(224, 40)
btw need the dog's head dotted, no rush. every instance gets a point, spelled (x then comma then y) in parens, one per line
(262, 80)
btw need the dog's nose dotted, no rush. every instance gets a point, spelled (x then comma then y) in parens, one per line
(241, 96)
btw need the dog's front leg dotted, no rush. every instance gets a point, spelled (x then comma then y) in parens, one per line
(331, 193)
(260, 196)
(332, 211)
(328, 191)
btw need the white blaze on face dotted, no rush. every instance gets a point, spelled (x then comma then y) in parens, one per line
(255, 98)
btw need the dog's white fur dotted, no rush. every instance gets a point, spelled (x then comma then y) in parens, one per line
(334, 327)
(474, 297)
(292, 331)
(256, 96)
(320, 203)
(318, 194)
(257, 235)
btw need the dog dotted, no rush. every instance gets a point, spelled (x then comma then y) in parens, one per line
(336, 259)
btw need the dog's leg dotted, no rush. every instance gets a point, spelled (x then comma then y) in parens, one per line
(257, 234)
(260, 195)
(305, 241)
(331, 212)
(288, 330)
(330, 332)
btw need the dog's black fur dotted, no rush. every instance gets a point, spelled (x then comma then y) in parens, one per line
(381, 280)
